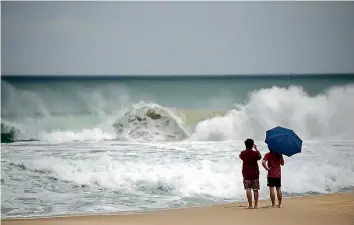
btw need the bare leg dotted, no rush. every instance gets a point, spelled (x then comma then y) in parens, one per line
(256, 194)
(272, 195)
(279, 196)
(249, 198)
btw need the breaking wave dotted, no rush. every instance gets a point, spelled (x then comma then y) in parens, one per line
(324, 116)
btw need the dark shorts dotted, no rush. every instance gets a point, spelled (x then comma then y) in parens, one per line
(273, 182)
(251, 184)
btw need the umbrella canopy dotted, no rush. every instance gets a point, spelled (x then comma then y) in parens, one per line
(283, 141)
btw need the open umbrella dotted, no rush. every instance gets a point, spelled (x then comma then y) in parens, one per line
(283, 140)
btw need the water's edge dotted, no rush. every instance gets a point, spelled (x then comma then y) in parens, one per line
(145, 211)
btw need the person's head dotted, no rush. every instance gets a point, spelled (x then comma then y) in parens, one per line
(249, 143)
(277, 155)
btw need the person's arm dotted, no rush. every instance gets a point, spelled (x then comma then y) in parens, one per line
(259, 156)
(240, 156)
(264, 163)
(282, 161)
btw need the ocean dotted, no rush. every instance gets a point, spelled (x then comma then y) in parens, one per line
(81, 145)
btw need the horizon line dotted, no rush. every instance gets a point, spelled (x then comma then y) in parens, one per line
(171, 75)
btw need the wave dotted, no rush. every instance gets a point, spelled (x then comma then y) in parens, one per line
(213, 175)
(324, 116)
(150, 122)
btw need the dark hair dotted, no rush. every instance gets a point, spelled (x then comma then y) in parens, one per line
(276, 154)
(249, 143)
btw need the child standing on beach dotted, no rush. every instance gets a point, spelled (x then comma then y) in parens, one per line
(250, 171)
(274, 160)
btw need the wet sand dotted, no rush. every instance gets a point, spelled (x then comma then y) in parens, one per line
(334, 209)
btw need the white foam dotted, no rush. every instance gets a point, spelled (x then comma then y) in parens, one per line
(325, 116)
(198, 169)
(95, 134)
(128, 176)
(134, 123)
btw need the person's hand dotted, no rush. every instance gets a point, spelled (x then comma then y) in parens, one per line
(255, 147)
(269, 168)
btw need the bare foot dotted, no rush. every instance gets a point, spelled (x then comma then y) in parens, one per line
(255, 207)
(273, 206)
(249, 207)
(279, 206)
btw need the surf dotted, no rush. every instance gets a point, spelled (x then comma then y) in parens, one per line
(320, 117)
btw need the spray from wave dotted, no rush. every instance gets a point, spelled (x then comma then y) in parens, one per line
(150, 122)
(325, 116)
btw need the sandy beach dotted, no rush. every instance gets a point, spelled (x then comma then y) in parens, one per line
(334, 209)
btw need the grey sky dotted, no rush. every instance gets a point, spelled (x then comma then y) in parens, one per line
(177, 37)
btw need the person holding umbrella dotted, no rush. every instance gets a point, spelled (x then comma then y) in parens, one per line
(281, 141)
(275, 160)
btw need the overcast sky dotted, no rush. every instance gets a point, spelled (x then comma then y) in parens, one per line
(177, 37)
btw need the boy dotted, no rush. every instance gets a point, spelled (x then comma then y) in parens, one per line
(250, 171)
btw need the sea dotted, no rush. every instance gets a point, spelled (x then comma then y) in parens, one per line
(124, 144)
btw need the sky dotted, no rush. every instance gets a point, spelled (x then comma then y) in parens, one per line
(163, 38)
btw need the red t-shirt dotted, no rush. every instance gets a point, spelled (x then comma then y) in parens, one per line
(274, 163)
(250, 170)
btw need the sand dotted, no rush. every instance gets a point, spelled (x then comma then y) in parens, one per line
(334, 209)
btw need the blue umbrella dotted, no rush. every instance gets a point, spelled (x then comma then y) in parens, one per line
(283, 140)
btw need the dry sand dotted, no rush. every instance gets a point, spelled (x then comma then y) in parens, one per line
(335, 209)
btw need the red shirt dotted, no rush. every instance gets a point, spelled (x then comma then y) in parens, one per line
(274, 163)
(250, 170)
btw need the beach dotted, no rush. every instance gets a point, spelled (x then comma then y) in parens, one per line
(331, 209)
(86, 145)
(139, 113)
